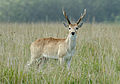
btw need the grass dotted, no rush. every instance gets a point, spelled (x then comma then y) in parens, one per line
(97, 58)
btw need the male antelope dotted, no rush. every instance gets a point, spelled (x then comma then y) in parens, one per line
(61, 49)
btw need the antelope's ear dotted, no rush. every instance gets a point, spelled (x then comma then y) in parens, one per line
(66, 25)
(80, 25)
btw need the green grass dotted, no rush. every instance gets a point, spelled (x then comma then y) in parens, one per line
(96, 61)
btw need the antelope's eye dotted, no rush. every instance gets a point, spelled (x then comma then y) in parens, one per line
(69, 28)
(76, 28)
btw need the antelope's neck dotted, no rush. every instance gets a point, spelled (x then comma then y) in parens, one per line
(71, 42)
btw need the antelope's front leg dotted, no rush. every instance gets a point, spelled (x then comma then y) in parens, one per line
(69, 63)
(61, 61)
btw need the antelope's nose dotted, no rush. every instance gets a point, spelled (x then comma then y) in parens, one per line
(72, 33)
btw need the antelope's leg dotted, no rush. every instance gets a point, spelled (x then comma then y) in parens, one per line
(32, 60)
(29, 63)
(61, 61)
(69, 63)
(42, 61)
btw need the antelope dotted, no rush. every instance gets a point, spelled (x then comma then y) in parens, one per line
(56, 48)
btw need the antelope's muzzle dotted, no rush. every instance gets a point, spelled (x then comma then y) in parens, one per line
(72, 33)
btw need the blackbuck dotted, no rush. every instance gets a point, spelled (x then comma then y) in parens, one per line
(56, 48)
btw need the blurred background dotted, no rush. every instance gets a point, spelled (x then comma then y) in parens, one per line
(51, 10)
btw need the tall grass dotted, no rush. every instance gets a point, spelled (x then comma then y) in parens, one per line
(97, 58)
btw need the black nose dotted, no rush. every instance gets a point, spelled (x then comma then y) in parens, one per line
(72, 33)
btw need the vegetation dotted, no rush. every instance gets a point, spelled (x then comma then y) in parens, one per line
(97, 58)
(51, 10)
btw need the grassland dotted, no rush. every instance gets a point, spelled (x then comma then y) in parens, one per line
(97, 58)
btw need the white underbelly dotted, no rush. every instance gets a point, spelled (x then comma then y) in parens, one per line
(56, 56)
(50, 56)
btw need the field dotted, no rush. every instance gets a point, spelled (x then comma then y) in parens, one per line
(96, 61)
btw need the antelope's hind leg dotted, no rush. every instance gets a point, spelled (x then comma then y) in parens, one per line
(32, 61)
(41, 62)
(29, 63)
